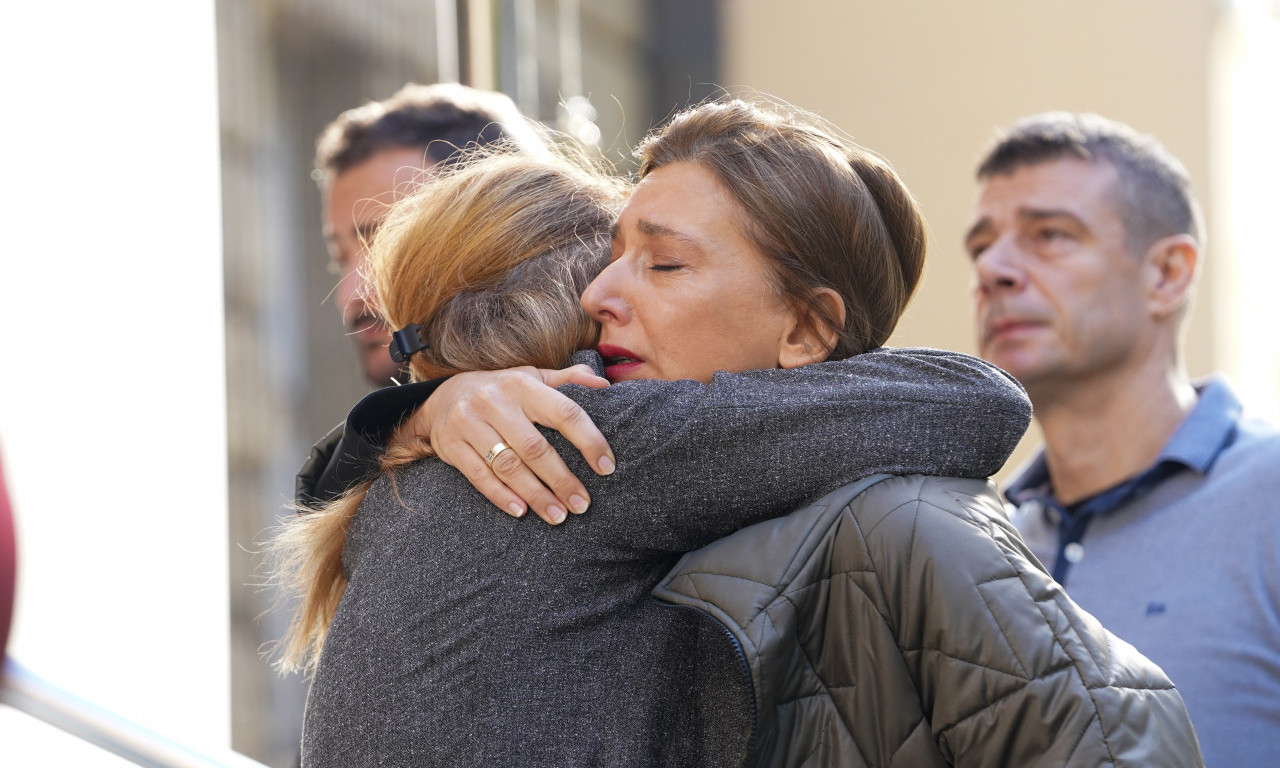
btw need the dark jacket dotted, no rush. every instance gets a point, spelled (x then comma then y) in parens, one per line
(469, 637)
(900, 621)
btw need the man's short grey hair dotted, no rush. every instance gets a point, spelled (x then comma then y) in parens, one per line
(1155, 192)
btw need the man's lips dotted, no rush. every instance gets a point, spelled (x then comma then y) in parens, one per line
(1007, 326)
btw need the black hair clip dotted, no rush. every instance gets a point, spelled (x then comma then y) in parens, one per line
(407, 341)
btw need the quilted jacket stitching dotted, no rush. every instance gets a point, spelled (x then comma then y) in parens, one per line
(792, 590)
(1065, 668)
(821, 732)
(730, 576)
(825, 693)
(923, 722)
(819, 743)
(1004, 632)
(848, 512)
(841, 717)
(918, 499)
(1010, 554)
(863, 533)
(1057, 638)
(979, 665)
(1115, 687)
(1083, 732)
(694, 586)
(1102, 664)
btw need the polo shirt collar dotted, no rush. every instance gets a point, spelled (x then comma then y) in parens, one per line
(1207, 429)
(1196, 443)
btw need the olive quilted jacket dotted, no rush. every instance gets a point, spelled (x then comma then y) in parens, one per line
(901, 622)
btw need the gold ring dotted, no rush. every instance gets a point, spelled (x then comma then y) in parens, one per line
(493, 453)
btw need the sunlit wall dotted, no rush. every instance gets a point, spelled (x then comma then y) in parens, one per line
(111, 390)
(1246, 156)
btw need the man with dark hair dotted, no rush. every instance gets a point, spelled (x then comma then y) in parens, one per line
(367, 152)
(1153, 501)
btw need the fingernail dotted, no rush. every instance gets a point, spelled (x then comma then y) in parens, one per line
(606, 465)
(517, 510)
(577, 504)
(556, 513)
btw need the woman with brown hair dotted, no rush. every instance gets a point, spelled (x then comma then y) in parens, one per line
(859, 630)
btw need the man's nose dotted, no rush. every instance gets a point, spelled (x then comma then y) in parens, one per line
(998, 267)
(351, 291)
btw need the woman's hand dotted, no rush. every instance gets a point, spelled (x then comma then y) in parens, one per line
(468, 415)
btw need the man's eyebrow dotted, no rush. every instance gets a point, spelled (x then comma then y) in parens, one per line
(1040, 214)
(1032, 215)
(980, 227)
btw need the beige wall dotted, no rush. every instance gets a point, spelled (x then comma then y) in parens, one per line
(926, 83)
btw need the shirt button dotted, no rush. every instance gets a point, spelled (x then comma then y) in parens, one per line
(1073, 552)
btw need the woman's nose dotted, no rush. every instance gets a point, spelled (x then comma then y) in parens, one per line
(602, 299)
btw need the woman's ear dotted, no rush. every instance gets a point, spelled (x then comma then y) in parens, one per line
(1170, 273)
(810, 340)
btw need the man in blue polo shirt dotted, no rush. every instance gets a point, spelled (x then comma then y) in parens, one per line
(1153, 501)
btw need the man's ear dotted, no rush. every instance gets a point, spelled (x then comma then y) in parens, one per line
(1169, 273)
(810, 340)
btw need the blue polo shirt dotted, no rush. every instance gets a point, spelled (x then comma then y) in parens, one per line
(1183, 561)
(1203, 434)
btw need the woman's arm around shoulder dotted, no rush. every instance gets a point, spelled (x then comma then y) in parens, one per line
(700, 461)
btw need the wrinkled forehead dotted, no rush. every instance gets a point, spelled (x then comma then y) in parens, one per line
(682, 196)
(1088, 189)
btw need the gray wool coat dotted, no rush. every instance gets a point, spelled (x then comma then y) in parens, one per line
(467, 637)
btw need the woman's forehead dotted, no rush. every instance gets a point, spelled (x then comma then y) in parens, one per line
(680, 198)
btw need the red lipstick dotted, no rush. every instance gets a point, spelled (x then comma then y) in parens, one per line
(619, 362)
